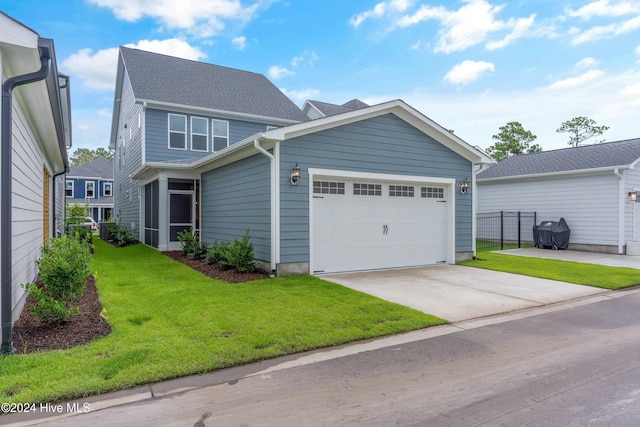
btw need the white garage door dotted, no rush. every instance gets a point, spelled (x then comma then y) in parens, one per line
(364, 225)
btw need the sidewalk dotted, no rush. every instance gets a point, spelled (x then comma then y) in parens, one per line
(578, 256)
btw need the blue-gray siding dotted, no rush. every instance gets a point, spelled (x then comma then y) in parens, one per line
(126, 201)
(157, 135)
(235, 198)
(385, 144)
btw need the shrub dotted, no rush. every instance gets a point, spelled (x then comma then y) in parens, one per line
(124, 236)
(75, 215)
(63, 268)
(192, 247)
(238, 255)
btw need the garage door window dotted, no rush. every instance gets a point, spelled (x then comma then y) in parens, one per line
(328, 187)
(367, 189)
(401, 191)
(432, 192)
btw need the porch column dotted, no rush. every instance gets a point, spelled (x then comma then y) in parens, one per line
(163, 212)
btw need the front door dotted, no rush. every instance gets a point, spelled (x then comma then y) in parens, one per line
(181, 215)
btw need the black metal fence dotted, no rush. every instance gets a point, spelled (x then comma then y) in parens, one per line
(504, 230)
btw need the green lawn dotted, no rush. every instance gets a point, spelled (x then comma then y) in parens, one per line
(169, 321)
(566, 271)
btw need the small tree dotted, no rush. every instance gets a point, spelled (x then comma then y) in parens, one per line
(580, 129)
(75, 215)
(513, 139)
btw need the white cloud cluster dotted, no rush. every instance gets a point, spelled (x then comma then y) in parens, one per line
(308, 57)
(468, 71)
(299, 96)
(604, 8)
(606, 31)
(200, 18)
(277, 72)
(574, 82)
(97, 70)
(381, 9)
(239, 42)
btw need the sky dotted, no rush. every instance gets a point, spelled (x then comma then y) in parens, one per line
(469, 65)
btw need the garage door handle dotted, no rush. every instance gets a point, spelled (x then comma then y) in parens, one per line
(385, 229)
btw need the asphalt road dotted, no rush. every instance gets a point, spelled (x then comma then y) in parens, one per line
(574, 367)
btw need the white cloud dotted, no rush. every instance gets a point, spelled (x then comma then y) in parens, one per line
(299, 96)
(97, 70)
(607, 31)
(201, 18)
(587, 62)
(638, 50)
(277, 72)
(240, 42)
(308, 57)
(468, 71)
(574, 82)
(604, 8)
(470, 25)
(380, 10)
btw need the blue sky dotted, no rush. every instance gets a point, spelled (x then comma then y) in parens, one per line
(470, 65)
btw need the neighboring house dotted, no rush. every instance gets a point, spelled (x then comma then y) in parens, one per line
(223, 150)
(91, 184)
(590, 186)
(36, 132)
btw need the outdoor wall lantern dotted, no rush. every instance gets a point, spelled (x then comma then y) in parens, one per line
(464, 187)
(295, 175)
(633, 196)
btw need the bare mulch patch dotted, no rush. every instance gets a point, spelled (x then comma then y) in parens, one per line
(214, 271)
(29, 335)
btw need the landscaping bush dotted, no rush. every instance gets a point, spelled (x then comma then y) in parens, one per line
(193, 248)
(238, 255)
(121, 235)
(74, 218)
(63, 268)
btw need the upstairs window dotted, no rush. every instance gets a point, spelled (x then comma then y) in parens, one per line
(107, 190)
(89, 190)
(177, 132)
(199, 134)
(220, 134)
(68, 188)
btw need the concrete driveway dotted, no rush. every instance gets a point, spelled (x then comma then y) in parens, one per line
(456, 293)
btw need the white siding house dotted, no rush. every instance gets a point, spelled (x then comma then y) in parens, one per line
(36, 133)
(589, 186)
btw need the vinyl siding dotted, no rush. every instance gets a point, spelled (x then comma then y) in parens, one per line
(127, 209)
(27, 204)
(157, 134)
(235, 198)
(589, 204)
(385, 144)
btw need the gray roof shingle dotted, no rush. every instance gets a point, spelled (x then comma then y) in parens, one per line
(610, 154)
(163, 78)
(332, 109)
(98, 168)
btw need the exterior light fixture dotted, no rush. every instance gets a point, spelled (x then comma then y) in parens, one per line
(464, 187)
(633, 196)
(295, 175)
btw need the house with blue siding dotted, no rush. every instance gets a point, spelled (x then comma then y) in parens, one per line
(91, 184)
(324, 189)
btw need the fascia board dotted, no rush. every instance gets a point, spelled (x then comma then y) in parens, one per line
(578, 172)
(189, 109)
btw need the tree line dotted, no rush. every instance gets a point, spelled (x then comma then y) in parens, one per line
(514, 139)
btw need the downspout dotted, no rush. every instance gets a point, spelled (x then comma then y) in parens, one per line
(620, 176)
(6, 191)
(64, 205)
(474, 204)
(274, 214)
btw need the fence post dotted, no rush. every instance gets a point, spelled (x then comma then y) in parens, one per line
(519, 230)
(501, 230)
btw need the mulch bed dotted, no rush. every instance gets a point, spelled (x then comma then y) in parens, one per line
(29, 335)
(215, 272)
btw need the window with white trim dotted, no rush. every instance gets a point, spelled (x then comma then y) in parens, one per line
(199, 134)
(68, 188)
(401, 190)
(89, 189)
(328, 187)
(107, 190)
(220, 134)
(177, 132)
(367, 189)
(432, 192)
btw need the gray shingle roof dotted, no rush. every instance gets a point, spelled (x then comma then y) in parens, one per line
(332, 109)
(163, 78)
(611, 154)
(98, 168)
